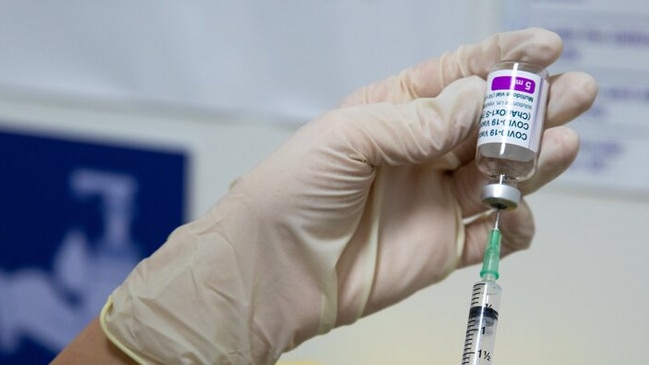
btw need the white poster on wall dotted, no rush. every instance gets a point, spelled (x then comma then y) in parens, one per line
(286, 58)
(609, 40)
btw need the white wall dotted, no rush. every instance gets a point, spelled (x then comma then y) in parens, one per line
(220, 147)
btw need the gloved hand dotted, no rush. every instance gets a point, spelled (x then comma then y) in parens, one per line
(358, 210)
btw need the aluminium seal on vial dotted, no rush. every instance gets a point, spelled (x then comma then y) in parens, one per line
(501, 196)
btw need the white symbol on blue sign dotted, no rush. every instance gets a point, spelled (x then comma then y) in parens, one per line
(51, 308)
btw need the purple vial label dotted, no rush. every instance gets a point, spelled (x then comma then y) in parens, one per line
(513, 83)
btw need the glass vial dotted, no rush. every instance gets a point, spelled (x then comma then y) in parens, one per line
(510, 132)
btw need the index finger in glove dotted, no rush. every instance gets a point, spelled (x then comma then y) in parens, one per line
(428, 79)
(414, 132)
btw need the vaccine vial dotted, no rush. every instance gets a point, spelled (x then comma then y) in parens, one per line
(510, 131)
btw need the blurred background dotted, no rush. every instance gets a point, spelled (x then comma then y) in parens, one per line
(121, 120)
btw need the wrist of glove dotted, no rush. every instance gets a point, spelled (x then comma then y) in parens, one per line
(358, 210)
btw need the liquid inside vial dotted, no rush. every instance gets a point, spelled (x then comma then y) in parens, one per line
(496, 159)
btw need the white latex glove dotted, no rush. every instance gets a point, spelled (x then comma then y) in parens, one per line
(360, 209)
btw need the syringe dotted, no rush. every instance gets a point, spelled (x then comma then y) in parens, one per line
(485, 303)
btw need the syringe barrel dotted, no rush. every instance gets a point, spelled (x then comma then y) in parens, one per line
(481, 327)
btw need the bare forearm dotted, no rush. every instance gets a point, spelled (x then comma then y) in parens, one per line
(91, 346)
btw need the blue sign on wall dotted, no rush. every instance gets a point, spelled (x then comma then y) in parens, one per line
(75, 217)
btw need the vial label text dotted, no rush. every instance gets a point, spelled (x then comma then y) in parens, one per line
(510, 109)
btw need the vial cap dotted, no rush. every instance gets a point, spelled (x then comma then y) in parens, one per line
(501, 196)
